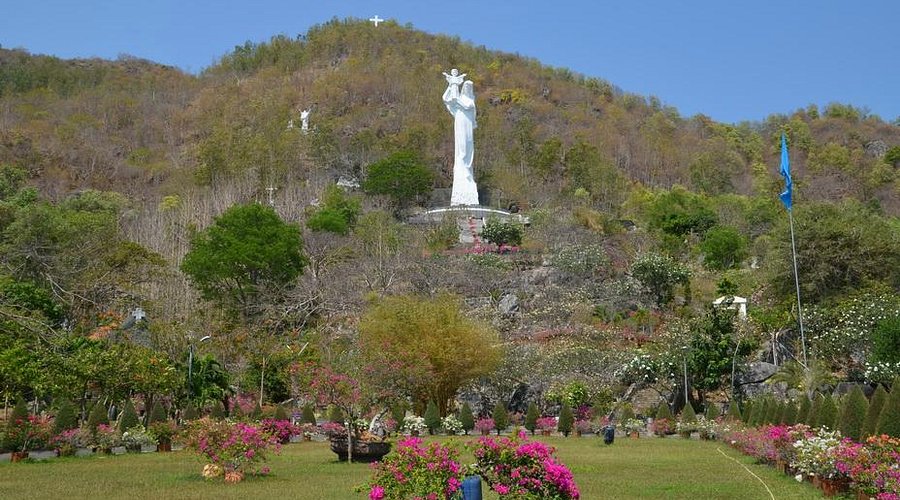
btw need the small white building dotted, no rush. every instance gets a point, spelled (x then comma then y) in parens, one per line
(733, 302)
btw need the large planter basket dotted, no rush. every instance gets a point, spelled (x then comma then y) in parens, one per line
(363, 451)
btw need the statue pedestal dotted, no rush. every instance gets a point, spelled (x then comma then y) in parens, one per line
(469, 219)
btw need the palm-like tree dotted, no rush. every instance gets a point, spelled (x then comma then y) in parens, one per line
(807, 379)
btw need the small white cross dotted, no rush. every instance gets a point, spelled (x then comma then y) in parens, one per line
(271, 191)
(376, 20)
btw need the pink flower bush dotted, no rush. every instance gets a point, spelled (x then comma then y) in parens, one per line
(417, 471)
(519, 468)
(484, 425)
(874, 466)
(546, 423)
(282, 430)
(235, 447)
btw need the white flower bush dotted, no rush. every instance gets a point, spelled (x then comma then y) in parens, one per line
(813, 453)
(413, 423)
(137, 436)
(452, 426)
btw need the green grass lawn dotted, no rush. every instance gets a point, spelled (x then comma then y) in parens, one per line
(642, 468)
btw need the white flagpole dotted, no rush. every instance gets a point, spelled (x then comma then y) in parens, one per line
(797, 285)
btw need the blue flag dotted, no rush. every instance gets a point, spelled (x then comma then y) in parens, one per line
(786, 173)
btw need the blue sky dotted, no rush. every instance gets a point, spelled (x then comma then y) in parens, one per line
(730, 60)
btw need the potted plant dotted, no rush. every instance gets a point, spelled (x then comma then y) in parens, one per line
(232, 449)
(546, 425)
(451, 425)
(633, 427)
(413, 425)
(30, 432)
(68, 441)
(163, 433)
(583, 427)
(136, 437)
(106, 438)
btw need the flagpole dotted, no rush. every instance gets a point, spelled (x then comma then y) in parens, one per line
(797, 285)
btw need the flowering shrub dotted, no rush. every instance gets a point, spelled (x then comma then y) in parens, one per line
(235, 448)
(484, 425)
(633, 425)
(334, 429)
(584, 426)
(282, 430)
(417, 471)
(814, 454)
(873, 466)
(106, 437)
(686, 427)
(31, 433)
(452, 426)
(521, 468)
(545, 424)
(662, 427)
(136, 437)
(390, 425)
(163, 431)
(67, 442)
(413, 424)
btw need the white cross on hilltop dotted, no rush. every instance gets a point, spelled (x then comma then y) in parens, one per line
(376, 20)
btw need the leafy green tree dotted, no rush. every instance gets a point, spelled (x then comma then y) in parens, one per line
(892, 156)
(500, 416)
(659, 275)
(873, 412)
(401, 177)
(129, 417)
(713, 350)
(531, 416)
(256, 413)
(567, 419)
(209, 381)
(337, 212)
(679, 212)
(840, 247)
(889, 420)
(886, 341)
(502, 233)
(432, 417)
(245, 252)
(65, 418)
(853, 414)
(419, 335)
(466, 418)
(723, 247)
(308, 416)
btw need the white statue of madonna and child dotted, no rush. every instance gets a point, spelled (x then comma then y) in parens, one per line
(461, 105)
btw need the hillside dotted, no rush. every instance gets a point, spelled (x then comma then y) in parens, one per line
(130, 160)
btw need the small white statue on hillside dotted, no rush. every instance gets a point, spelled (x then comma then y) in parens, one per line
(304, 120)
(454, 79)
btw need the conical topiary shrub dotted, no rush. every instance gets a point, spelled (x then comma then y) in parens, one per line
(747, 411)
(190, 413)
(664, 412)
(828, 413)
(734, 412)
(256, 413)
(308, 416)
(280, 413)
(531, 416)
(853, 414)
(500, 416)
(803, 411)
(789, 417)
(97, 416)
(398, 412)
(873, 412)
(712, 411)
(65, 417)
(566, 420)
(157, 413)
(812, 419)
(432, 417)
(889, 420)
(466, 418)
(218, 411)
(129, 418)
(335, 415)
(688, 420)
(627, 413)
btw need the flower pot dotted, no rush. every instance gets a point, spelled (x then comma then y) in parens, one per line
(234, 476)
(18, 456)
(634, 435)
(817, 482)
(833, 487)
(782, 466)
(485, 432)
(307, 437)
(164, 446)
(546, 432)
(133, 448)
(862, 495)
(685, 435)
